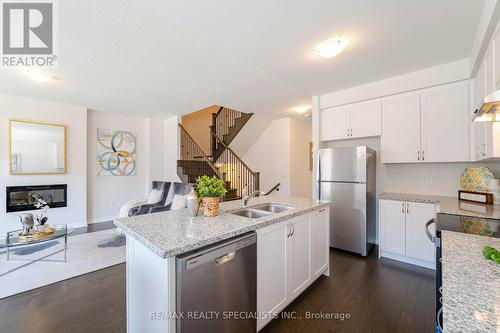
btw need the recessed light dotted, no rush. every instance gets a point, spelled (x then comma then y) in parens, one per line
(331, 47)
(37, 75)
(301, 108)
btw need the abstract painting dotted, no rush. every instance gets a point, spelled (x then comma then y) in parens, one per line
(116, 153)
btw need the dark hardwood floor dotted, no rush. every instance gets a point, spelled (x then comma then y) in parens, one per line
(379, 295)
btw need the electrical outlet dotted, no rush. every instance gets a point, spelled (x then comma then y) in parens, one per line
(428, 182)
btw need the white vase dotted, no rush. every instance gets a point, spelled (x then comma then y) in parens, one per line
(494, 188)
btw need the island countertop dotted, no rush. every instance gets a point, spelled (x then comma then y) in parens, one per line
(471, 284)
(175, 232)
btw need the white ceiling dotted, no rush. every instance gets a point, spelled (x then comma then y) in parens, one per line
(154, 57)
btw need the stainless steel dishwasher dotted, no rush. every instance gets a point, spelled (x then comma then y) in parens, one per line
(216, 287)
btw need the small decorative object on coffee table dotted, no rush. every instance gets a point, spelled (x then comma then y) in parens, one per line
(28, 222)
(192, 202)
(210, 190)
(41, 218)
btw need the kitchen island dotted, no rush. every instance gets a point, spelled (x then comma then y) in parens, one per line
(287, 262)
(471, 284)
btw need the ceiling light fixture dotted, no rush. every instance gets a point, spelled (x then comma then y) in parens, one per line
(302, 108)
(37, 75)
(331, 47)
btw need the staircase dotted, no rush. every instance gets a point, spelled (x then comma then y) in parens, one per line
(226, 124)
(222, 162)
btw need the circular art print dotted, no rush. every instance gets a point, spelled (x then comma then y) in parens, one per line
(116, 153)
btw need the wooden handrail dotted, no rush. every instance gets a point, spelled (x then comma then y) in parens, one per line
(235, 155)
(205, 157)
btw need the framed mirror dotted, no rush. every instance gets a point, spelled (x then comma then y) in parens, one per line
(36, 148)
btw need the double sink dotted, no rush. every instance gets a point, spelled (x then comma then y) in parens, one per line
(261, 210)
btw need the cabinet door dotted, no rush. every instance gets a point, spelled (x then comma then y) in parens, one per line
(319, 242)
(418, 245)
(366, 119)
(271, 270)
(490, 69)
(392, 226)
(445, 124)
(401, 129)
(299, 273)
(334, 123)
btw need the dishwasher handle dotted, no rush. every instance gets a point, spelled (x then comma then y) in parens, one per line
(225, 258)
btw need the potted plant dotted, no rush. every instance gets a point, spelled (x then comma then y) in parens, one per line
(41, 218)
(210, 190)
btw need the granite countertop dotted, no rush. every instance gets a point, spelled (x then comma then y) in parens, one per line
(471, 284)
(175, 232)
(447, 205)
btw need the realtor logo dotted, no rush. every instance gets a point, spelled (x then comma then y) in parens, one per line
(28, 33)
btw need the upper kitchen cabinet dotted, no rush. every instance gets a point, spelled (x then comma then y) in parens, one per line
(445, 123)
(431, 125)
(366, 119)
(351, 121)
(401, 129)
(335, 123)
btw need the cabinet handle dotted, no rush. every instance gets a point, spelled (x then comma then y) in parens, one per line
(322, 210)
(407, 208)
(403, 209)
(289, 230)
(418, 155)
(423, 156)
(293, 229)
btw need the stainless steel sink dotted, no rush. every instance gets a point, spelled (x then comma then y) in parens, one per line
(261, 210)
(273, 208)
(251, 213)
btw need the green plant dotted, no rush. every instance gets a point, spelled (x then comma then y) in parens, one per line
(491, 253)
(210, 187)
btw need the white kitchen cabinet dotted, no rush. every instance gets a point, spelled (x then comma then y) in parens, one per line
(392, 226)
(430, 125)
(366, 119)
(335, 123)
(445, 124)
(489, 65)
(299, 268)
(351, 121)
(417, 244)
(402, 232)
(290, 256)
(401, 129)
(272, 266)
(319, 242)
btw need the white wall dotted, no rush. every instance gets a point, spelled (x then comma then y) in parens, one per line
(247, 136)
(13, 107)
(269, 155)
(300, 171)
(106, 194)
(281, 155)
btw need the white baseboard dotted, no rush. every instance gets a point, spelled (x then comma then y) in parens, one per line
(101, 219)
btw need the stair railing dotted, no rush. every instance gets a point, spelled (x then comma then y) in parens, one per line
(221, 122)
(190, 151)
(236, 171)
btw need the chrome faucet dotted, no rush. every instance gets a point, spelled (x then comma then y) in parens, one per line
(245, 196)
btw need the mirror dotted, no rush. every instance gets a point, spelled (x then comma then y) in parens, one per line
(36, 148)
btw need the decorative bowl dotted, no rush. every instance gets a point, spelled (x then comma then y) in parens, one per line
(476, 179)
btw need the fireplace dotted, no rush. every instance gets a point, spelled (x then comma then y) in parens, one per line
(22, 198)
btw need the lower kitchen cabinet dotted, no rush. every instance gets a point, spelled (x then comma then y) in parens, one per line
(290, 256)
(402, 232)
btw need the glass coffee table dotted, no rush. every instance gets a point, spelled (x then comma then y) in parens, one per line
(14, 239)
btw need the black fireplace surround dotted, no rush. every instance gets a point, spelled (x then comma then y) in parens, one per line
(22, 198)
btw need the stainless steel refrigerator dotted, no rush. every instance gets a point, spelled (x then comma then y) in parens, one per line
(346, 177)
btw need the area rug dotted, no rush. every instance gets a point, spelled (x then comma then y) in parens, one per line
(86, 253)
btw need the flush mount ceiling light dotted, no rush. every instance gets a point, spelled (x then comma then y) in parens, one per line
(37, 75)
(301, 108)
(331, 47)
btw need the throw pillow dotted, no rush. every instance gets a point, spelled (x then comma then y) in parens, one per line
(154, 197)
